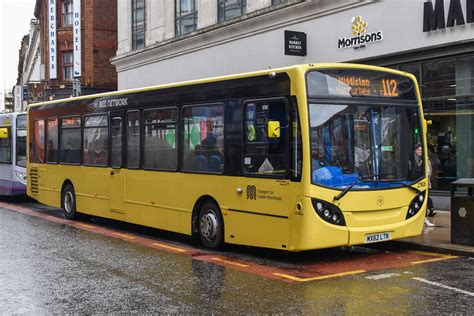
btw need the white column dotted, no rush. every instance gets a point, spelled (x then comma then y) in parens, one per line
(124, 26)
(254, 5)
(169, 19)
(207, 13)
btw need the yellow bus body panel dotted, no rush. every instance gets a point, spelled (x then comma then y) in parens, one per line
(258, 212)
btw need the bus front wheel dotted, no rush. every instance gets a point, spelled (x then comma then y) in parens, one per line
(211, 226)
(69, 202)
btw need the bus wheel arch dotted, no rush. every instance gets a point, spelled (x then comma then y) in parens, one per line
(208, 223)
(68, 200)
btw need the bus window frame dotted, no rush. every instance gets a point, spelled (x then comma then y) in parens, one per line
(81, 121)
(142, 136)
(181, 137)
(10, 137)
(287, 174)
(58, 119)
(83, 128)
(293, 151)
(140, 145)
(112, 116)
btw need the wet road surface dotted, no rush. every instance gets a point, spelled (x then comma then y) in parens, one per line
(51, 267)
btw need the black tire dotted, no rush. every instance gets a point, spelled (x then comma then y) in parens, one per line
(211, 226)
(68, 202)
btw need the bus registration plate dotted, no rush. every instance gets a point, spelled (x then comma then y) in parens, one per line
(376, 237)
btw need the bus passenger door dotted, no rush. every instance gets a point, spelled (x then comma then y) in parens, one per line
(116, 159)
(261, 204)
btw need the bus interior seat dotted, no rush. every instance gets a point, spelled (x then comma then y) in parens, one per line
(215, 163)
(200, 163)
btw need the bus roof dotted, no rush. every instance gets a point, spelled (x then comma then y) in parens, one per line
(301, 67)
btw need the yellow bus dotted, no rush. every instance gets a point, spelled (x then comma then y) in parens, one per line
(297, 158)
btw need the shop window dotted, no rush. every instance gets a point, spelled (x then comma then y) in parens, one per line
(52, 140)
(186, 16)
(264, 155)
(70, 140)
(203, 133)
(229, 9)
(159, 139)
(447, 87)
(138, 24)
(133, 139)
(96, 140)
(439, 78)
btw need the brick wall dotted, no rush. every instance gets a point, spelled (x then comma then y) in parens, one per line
(99, 43)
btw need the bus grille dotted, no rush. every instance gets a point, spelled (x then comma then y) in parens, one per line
(34, 181)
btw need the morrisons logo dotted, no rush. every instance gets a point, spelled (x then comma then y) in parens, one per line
(361, 38)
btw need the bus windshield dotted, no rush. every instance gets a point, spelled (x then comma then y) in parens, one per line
(21, 141)
(374, 144)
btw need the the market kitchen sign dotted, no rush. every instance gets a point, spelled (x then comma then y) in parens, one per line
(360, 36)
(434, 18)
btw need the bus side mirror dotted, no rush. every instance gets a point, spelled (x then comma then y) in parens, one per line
(3, 132)
(273, 129)
(429, 122)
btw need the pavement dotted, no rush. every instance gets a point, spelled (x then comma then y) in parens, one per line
(438, 238)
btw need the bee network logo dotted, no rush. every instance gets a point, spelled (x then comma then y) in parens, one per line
(360, 37)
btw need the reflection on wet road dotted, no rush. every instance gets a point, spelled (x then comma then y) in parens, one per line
(49, 266)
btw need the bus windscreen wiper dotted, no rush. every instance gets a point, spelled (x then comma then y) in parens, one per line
(365, 177)
(403, 184)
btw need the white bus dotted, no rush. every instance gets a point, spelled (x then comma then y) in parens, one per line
(13, 154)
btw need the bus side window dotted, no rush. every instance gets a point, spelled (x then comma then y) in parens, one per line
(203, 133)
(70, 140)
(263, 155)
(96, 134)
(52, 140)
(159, 139)
(38, 141)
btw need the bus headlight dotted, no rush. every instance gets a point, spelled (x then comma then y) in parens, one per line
(21, 176)
(415, 205)
(328, 212)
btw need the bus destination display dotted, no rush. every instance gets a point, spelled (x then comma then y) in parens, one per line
(353, 83)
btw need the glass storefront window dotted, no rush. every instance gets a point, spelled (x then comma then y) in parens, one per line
(448, 101)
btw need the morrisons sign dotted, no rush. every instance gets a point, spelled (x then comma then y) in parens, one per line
(434, 18)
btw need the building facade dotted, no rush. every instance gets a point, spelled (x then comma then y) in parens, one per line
(29, 68)
(175, 40)
(77, 40)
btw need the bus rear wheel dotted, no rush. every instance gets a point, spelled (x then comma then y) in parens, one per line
(211, 226)
(68, 202)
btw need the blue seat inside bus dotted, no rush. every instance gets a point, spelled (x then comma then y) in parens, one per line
(333, 176)
(200, 163)
(214, 163)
